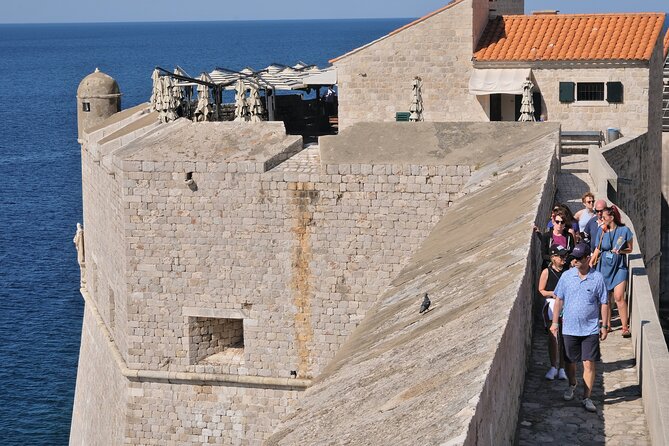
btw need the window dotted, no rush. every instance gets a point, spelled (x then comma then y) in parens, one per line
(214, 340)
(611, 92)
(590, 91)
(86, 106)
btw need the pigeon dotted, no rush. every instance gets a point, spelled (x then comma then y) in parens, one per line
(425, 305)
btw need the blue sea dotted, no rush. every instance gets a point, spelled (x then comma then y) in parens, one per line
(40, 177)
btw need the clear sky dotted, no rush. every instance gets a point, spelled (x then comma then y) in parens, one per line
(67, 11)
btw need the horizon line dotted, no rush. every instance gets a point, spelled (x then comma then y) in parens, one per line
(204, 21)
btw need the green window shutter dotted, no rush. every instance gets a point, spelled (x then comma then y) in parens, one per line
(614, 92)
(402, 116)
(567, 91)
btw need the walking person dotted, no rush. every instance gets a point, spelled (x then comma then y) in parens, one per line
(582, 293)
(547, 282)
(593, 225)
(557, 235)
(584, 215)
(615, 240)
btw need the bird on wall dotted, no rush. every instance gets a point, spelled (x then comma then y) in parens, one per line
(425, 305)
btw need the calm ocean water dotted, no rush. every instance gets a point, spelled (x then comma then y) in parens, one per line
(40, 199)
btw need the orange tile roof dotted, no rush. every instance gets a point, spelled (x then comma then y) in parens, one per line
(666, 44)
(570, 37)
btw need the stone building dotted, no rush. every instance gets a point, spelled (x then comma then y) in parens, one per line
(590, 73)
(226, 266)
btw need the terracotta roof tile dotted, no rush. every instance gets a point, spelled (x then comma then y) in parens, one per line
(666, 44)
(570, 37)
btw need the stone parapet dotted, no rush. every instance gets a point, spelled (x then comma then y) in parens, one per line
(650, 346)
(454, 374)
(634, 161)
(224, 284)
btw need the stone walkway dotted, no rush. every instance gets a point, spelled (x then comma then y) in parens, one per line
(545, 418)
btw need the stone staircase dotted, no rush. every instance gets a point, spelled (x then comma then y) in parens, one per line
(579, 142)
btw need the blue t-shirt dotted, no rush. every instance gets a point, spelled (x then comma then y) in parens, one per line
(582, 298)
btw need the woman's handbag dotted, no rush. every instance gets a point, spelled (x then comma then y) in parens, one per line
(598, 252)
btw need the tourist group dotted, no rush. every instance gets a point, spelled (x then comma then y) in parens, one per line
(584, 273)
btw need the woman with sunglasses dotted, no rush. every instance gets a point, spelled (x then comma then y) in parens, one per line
(558, 235)
(584, 215)
(615, 240)
(571, 223)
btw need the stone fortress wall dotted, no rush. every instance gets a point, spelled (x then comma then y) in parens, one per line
(222, 276)
(291, 259)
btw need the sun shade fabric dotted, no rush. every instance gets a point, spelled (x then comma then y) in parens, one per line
(325, 77)
(498, 81)
(275, 76)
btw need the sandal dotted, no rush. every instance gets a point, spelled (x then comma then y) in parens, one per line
(626, 333)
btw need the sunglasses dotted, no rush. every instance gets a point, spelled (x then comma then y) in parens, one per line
(589, 201)
(599, 211)
(559, 222)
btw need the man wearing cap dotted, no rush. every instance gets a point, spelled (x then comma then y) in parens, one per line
(582, 293)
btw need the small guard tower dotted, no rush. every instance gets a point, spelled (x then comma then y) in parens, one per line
(98, 97)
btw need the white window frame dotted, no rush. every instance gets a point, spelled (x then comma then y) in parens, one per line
(590, 103)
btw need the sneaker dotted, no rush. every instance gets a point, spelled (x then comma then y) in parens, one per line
(569, 393)
(562, 375)
(589, 405)
(551, 374)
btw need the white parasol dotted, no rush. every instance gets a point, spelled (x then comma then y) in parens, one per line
(416, 108)
(526, 104)
(241, 105)
(256, 105)
(204, 110)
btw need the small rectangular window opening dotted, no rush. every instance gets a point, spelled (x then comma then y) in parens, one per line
(86, 106)
(590, 91)
(215, 340)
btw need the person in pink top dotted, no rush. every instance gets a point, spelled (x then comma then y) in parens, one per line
(558, 235)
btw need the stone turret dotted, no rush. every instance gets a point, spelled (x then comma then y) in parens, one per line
(98, 97)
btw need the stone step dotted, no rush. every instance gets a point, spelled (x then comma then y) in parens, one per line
(576, 150)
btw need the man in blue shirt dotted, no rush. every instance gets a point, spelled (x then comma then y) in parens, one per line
(582, 293)
(595, 222)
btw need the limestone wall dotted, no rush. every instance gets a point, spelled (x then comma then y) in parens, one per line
(298, 257)
(650, 347)
(376, 81)
(291, 257)
(453, 375)
(636, 162)
(631, 117)
(99, 416)
(104, 226)
(189, 414)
